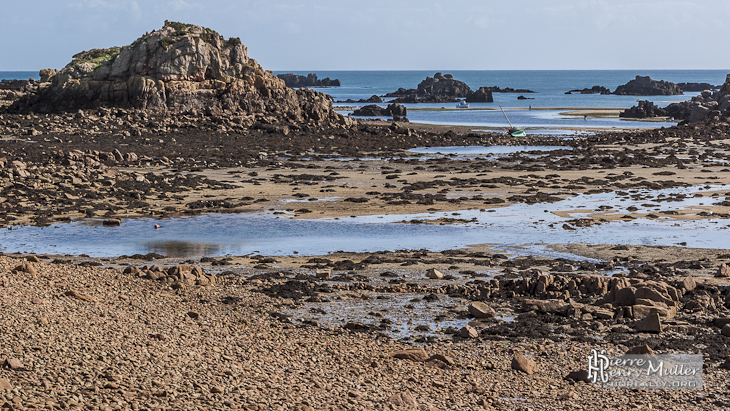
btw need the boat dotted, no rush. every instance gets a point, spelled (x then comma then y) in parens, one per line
(513, 131)
(462, 104)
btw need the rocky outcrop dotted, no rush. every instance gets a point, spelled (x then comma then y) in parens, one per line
(645, 86)
(394, 110)
(497, 89)
(483, 95)
(373, 99)
(180, 68)
(310, 80)
(592, 90)
(441, 88)
(695, 87)
(708, 105)
(645, 109)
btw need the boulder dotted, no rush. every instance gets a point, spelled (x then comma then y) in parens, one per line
(689, 283)
(412, 354)
(481, 310)
(645, 86)
(723, 271)
(524, 364)
(468, 331)
(650, 324)
(725, 330)
(434, 274)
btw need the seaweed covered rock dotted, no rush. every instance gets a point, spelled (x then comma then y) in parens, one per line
(181, 68)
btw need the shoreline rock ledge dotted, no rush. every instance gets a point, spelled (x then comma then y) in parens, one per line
(179, 69)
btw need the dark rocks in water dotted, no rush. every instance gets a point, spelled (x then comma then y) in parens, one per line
(697, 87)
(394, 110)
(483, 95)
(441, 88)
(645, 109)
(497, 89)
(521, 97)
(373, 99)
(310, 80)
(592, 90)
(179, 69)
(645, 86)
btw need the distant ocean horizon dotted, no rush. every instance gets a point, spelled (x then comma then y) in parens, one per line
(549, 86)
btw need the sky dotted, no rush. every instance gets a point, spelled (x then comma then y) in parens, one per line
(390, 35)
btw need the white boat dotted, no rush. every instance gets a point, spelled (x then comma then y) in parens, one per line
(462, 104)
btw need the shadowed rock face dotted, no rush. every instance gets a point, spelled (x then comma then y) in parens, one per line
(180, 68)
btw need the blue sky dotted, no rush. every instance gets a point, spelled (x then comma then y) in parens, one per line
(390, 35)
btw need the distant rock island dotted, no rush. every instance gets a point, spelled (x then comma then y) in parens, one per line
(310, 80)
(394, 110)
(592, 90)
(645, 86)
(441, 88)
(181, 68)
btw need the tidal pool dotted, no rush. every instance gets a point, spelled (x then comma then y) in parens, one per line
(518, 225)
(485, 150)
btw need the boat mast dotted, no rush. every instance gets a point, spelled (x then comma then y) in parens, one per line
(505, 115)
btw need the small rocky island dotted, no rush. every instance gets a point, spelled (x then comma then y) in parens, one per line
(310, 80)
(441, 88)
(645, 86)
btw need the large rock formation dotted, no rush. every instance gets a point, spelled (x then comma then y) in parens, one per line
(483, 95)
(442, 88)
(707, 105)
(645, 86)
(180, 68)
(310, 80)
(645, 109)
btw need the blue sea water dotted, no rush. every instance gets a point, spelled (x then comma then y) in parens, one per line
(549, 87)
(19, 75)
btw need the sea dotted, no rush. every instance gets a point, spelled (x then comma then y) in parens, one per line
(546, 111)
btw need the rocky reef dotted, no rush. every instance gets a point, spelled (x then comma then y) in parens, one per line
(394, 110)
(645, 86)
(179, 69)
(592, 90)
(441, 88)
(310, 80)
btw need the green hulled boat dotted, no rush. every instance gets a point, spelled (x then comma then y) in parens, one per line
(513, 131)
